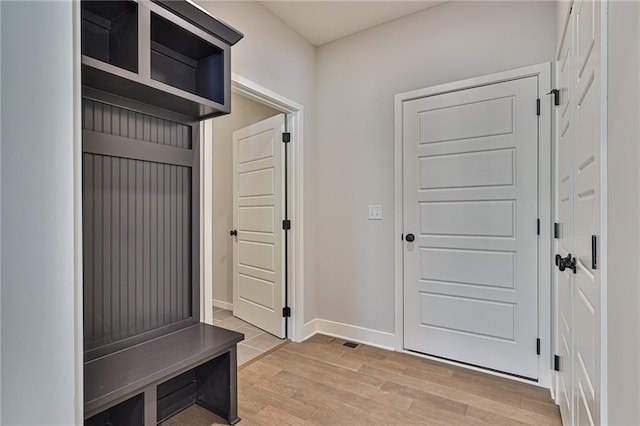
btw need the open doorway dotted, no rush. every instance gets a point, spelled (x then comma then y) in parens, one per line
(248, 256)
(246, 112)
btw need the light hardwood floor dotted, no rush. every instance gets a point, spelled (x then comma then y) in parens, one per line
(321, 381)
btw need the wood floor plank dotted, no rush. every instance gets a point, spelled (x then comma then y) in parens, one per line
(265, 398)
(273, 416)
(346, 381)
(323, 382)
(460, 395)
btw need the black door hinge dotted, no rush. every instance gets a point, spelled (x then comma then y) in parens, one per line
(538, 346)
(286, 137)
(538, 106)
(556, 231)
(286, 224)
(286, 312)
(538, 226)
(594, 252)
(556, 362)
(556, 96)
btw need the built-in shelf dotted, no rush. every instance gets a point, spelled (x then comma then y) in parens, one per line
(185, 61)
(110, 32)
(170, 55)
(129, 412)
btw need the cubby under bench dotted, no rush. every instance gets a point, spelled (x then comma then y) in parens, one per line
(148, 383)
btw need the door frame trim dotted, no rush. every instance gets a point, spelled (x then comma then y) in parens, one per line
(545, 139)
(295, 190)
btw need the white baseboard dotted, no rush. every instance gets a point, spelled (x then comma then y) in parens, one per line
(222, 304)
(353, 333)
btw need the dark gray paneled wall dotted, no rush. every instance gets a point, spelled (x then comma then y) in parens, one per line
(136, 231)
(113, 120)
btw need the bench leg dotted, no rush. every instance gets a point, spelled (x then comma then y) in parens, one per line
(233, 386)
(150, 406)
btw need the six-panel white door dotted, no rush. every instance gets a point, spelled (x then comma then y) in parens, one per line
(258, 211)
(471, 200)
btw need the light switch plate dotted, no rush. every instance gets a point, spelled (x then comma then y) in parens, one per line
(375, 212)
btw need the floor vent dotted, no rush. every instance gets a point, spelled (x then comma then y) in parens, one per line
(350, 345)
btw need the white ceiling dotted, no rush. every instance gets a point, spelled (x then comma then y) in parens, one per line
(323, 21)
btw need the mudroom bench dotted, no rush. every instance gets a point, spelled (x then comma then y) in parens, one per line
(150, 382)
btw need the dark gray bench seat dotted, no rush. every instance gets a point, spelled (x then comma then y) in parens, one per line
(149, 382)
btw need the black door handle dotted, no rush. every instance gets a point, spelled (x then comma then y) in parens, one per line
(566, 262)
(410, 238)
(233, 233)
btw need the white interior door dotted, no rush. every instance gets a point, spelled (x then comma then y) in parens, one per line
(258, 211)
(471, 200)
(587, 195)
(579, 208)
(564, 244)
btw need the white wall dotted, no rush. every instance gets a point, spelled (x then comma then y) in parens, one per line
(37, 216)
(244, 112)
(357, 78)
(274, 56)
(624, 213)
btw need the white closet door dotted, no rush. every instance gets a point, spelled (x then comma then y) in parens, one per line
(587, 193)
(564, 245)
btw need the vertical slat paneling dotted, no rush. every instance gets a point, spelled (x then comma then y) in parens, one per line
(186, 137)
(97, 116)
(87, 232)
(106, 118)
(107, 194)
(136, 230)
(174, 248)
(174, 134)
(146, 241)
(98, 227)
(124, 122)
(131, 237)
(161, 246)
(116, 243)
(179, 244)
(139, 127)
(88, 116)
(186, 242)
(154, 130)
(139, 247)
(115, 121)
(124, 247)
(167, 243)
(167, 132)
(146, 123)
(153, 243)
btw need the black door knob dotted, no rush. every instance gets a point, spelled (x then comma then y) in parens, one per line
(233, 233)
(566, 262)
(410, 238)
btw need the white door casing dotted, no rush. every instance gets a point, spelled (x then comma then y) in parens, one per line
(564, 217)
(471, 199)
(258, 211)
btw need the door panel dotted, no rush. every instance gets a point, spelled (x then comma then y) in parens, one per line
(470, 194)
(579, 204)
(564, 245)
(587, 212)
(258, 200)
